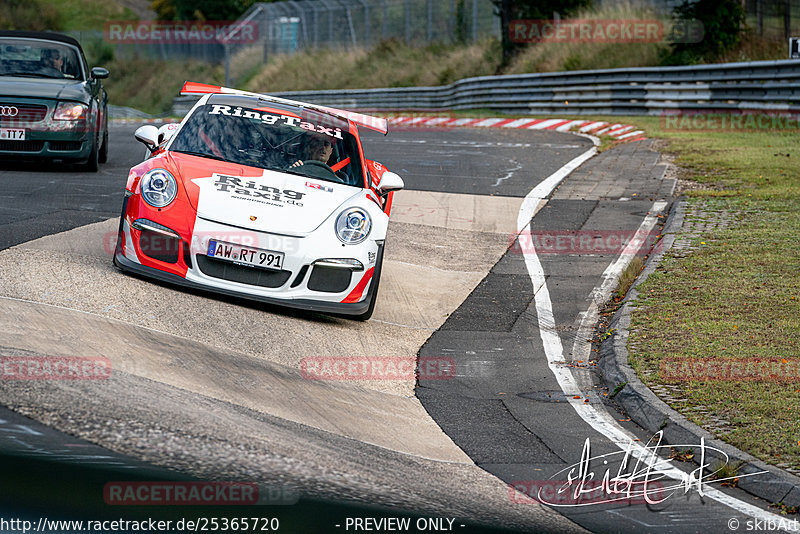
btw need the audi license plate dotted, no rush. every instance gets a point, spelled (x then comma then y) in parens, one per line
(242, 255)
(12, 134)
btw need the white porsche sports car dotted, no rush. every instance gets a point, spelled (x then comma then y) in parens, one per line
(260, 197)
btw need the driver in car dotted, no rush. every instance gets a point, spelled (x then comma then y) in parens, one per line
(52, 59)
(319, 147)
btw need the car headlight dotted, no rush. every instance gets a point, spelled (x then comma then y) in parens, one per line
(70, 111)
(353, 226)
(158, 187)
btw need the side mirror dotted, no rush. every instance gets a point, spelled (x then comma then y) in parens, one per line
(390, 182)
(99, 73)
(147, 134)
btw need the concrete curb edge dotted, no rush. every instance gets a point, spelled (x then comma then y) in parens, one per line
(651, 413)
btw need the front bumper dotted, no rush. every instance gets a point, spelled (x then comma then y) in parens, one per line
(301, 283)
(46, 137)
(340, 308)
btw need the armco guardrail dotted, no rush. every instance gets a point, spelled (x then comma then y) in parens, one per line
(757, 85)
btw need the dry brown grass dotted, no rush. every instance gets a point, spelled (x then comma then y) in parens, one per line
(391, 64)
(553, 57)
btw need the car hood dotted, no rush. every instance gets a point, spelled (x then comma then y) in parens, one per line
(44, 88)
(260, 199)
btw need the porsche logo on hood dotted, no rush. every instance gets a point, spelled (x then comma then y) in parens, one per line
(253, 218)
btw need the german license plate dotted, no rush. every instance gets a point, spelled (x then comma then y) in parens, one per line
(242, 255)
(13, 134)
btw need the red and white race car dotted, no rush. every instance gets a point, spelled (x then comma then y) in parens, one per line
(260, 197)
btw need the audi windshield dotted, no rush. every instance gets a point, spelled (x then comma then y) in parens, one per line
(36, 58)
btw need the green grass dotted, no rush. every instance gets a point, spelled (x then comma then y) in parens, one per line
(150, 85)
(628, 277)
(90, 14)
(738, 294)
(391, 64)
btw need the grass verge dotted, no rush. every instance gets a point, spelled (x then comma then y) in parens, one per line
(736, 296)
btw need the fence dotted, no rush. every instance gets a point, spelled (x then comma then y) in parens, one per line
(93, 42)
(299, 24)
(773, 19)
(759, 85)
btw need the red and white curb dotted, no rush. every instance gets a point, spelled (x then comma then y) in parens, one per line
(618, 131)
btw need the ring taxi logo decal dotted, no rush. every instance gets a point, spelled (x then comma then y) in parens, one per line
(270, 119)
(245, 189)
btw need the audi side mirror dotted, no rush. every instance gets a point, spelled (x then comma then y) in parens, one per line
(99, 73)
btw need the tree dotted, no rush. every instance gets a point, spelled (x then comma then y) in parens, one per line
(32, 15)
(722, 22)
(200, 9)
(511, 10)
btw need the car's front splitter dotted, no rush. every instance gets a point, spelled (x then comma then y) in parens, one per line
(339, 308)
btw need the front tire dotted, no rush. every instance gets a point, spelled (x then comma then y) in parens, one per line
(93, 163)
(102, 155)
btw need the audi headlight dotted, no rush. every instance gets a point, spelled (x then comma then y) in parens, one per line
(158, 188)
(353, 226)
(70, 111)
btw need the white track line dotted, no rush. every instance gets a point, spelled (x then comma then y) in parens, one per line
(599, 419)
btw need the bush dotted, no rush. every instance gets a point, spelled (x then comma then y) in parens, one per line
(723, 24)
(33, 15)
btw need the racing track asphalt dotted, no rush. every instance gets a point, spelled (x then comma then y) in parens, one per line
(168, 429)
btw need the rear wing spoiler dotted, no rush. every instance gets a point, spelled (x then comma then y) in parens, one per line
(373, 123)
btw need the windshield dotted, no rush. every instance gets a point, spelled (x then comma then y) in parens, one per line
(38, 59)
(314, 146)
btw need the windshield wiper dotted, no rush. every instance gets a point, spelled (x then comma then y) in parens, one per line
(204, 155)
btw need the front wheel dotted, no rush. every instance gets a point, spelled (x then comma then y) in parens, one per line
(93, 163)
